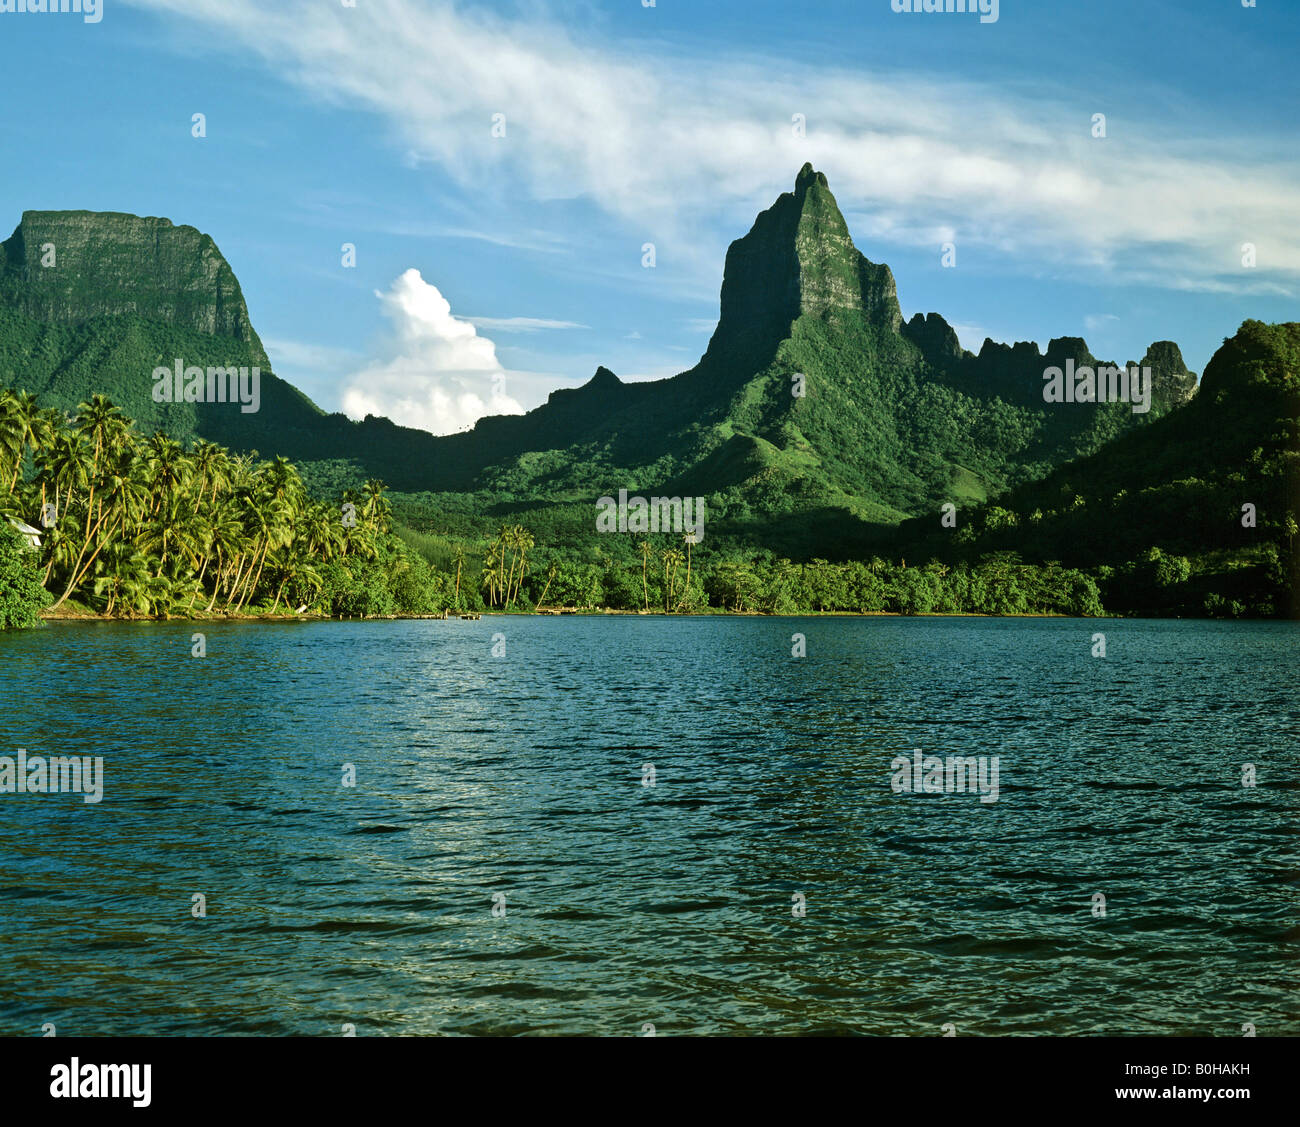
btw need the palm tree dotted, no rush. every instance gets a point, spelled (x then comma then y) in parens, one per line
(521, 540)
(491, 563)
(376, 509)
(175, 528)
(18, 412)
(460, 560)
(13, 433)
(645, 562)
(672, 561)
(72, 453)
(227, 541)
(504, 537)
(212, 464)
(103, 423)
(105, 427)
(69, 466)
(47, 425)
(166, 466)
(301, 577)
(689, 539)
(510, 542)
(550, 577)
(268, 520)
(125, 573)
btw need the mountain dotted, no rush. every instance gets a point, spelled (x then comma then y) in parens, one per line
(894, 417)
(1194, 514)
(797, 261)
(814, 405)
(70, 267)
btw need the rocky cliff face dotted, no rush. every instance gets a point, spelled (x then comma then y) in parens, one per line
(798, 260)
(936, 339)
(1173, 382)
(1015, 372)
(67, 267)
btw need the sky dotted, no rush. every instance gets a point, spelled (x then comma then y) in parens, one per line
(498, 169)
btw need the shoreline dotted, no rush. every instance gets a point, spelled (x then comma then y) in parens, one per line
(78, 614)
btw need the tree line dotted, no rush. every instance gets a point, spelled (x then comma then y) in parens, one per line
(142, 526)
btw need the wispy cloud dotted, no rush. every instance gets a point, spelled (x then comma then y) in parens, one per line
(521, 324)
(303, 354)
(1096, 322)
(651, 137)
(545, 242)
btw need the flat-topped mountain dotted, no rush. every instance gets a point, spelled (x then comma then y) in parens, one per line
(69, 267)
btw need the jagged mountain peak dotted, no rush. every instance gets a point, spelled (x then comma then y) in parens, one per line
(603, 379)
(798, 260)
(936, 339)
(1170, 371)
(807, 177)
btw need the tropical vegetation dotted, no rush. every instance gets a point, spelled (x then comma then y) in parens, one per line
(140, 526)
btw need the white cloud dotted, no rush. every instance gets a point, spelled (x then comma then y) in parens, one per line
(521, 324)
(920, 158)
(436, 373)
(1096, 322)
(547, 242)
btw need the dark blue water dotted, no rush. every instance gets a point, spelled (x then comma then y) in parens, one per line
(672, 904)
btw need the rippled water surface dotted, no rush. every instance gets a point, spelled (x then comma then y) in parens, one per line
(672, 904)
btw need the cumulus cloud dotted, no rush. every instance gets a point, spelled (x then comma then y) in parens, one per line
(435, 372)
(654, 138)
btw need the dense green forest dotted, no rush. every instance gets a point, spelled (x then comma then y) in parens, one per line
(135, 526)
(1159, 522)
(1196, 514)
(141, 526)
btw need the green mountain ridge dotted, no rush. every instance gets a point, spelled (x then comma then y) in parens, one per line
(894, 420)
(1160, 512)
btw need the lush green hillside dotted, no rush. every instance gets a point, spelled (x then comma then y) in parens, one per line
(1150, 524)
(891, 419)
(823, 430)
(1158, 513)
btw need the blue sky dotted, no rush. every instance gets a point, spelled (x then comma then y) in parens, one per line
(671, 125)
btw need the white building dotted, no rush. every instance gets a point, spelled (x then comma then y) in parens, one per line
(27, 532)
